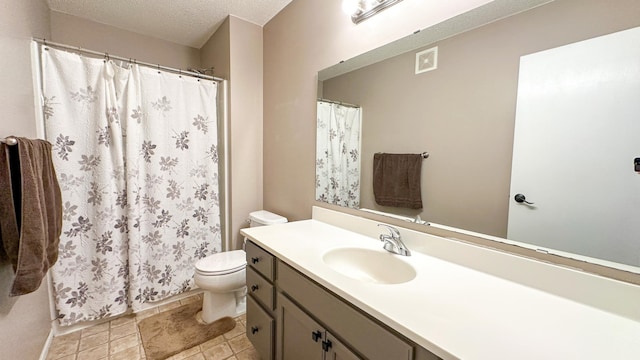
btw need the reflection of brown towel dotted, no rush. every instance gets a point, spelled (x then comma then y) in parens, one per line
(30, 212)
(396, 180)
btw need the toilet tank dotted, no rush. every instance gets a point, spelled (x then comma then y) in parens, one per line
(263, 217)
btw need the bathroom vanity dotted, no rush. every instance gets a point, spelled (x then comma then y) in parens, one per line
(309, 320)
(325, 289)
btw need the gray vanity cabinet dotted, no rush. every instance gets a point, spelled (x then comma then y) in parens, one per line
(301, 337)
(261, 325)
(291, 317)
(367, 338)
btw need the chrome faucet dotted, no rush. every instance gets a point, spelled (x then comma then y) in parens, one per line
(392, 242)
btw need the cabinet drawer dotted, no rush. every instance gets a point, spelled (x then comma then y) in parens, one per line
(260, 260)
(363, 334)
(260, 329)
(260, 288)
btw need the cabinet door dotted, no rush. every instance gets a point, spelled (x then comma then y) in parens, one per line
(371, 340)
(260, 329)
(299, 336)
(337, 350)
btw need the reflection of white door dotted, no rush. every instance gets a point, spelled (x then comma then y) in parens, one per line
(577, 133)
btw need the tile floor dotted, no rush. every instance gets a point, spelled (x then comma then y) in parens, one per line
(119, 339)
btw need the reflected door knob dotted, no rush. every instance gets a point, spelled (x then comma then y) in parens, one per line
(519, 198)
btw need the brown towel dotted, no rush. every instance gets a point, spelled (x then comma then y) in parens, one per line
(30, 212)
(396, 180)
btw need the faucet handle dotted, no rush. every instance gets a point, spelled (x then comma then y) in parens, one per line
(395, 234)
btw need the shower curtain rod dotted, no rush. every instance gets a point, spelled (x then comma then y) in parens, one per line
(133, 61)
(339, 103)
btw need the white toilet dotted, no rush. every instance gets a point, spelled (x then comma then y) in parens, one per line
(222, 276)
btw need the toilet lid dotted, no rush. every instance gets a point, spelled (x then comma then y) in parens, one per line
(222, 263)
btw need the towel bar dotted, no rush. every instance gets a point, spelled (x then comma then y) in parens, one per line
(9, 140)
(424, 154)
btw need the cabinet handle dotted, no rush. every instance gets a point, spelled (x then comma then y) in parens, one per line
(316, 335)
(254, 329)
(254, 288)
(255, 260)
(326, 345)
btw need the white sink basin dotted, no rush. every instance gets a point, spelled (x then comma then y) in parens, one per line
(380, 267)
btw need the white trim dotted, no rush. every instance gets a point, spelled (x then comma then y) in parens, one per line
(47, 345)
(226, 192)
(38, 99)
(55, 327)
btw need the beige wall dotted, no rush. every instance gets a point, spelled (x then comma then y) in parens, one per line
(216, 52)
(246, 123)
(235, 50)
(24, 320)
(488, 57)
(463, 113)
(75, 31)
(302, 39)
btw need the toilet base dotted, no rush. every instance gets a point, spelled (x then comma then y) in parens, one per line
(241, 301)
(218, 305)
(241, 307)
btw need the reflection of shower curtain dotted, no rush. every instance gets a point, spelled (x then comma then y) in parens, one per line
(338, 154)
(135, 152)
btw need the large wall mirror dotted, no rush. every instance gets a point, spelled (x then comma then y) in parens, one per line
(464, 112)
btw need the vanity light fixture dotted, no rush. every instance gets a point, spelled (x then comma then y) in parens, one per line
(360, 10)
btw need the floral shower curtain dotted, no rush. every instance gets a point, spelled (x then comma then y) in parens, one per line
(136, 156)
(338, 154)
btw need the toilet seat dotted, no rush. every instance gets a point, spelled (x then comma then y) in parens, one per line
(222, 263)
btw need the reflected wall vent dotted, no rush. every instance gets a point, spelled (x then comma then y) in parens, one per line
(427, 60)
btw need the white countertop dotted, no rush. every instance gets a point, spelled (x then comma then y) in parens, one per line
(455, 311)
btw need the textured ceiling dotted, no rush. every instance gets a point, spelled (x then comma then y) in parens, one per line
(186, 22)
